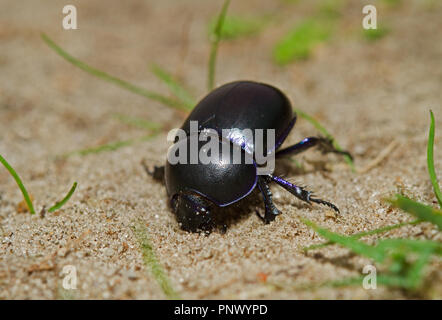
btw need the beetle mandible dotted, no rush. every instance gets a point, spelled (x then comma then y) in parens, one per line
(194, 189)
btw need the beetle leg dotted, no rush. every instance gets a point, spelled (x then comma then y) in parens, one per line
(270, 210)
(157, 173)
(300, 192)
(192, 211)
(325, 145)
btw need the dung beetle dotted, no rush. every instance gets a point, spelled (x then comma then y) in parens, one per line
(195, 189)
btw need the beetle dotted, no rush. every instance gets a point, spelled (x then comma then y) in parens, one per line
(195, 189)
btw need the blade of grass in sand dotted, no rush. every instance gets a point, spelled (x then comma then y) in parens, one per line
(410, 245)
(216, 38)
(327, 134)
(138, 122)
(177, 89)
(364, 234)
(239, 26)
(107, 77)
(151, 261)
(300, 42)
(108, 147)
(421, 211)
(19, 183)
(430, 162)
(401, 272)
(61, 203)
(353, 244)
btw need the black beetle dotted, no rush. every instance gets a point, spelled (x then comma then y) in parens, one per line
(194, 189)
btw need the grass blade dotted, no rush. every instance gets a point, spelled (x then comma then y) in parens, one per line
(61, 203)
(19, 183)
(177, 89)
(107, 77)
(327, 134)
(112, 146)
(411, 245)
(430, 162)
(365, 233)
(217, 35)
(345, 241)
(151, 261)
(421, 211)
(236, 27)
(138, 122)
(299, 43)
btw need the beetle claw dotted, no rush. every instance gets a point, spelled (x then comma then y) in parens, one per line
(268, 217)
(326, 203)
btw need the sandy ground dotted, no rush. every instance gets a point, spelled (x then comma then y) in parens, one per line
(366, 93)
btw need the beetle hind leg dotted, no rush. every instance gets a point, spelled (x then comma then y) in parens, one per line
(325, 145)
(301, 193)
(270, 209)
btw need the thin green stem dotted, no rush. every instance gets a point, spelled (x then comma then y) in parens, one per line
(107, 77)
(327, 134)
(151, 261)
(430, 162)
(216, 38)
(137, 122)
(177, 89)
(419, 210)
(365, 233)
(61, 203)
(112, 146)
(19, 183)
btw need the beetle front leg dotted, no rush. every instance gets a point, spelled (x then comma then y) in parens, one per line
(192, 211)
(270, 210)
(300, 192)
(324, 144)
(157, 173)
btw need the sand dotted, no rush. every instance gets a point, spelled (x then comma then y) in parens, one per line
(367, 94)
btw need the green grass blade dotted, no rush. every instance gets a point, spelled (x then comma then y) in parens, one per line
(236, 27)
(430, 162)
(112, 146)
(138, 122)
(365, 233)
(151, 261)
(348, 242)
(216, 38)
(299, 42)
(107, 77)
(410, 245)
(409, 275)
(327, 134)
(19, 183)
(177, 89)
(415, 274)
(419, 210)
(61, 203)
